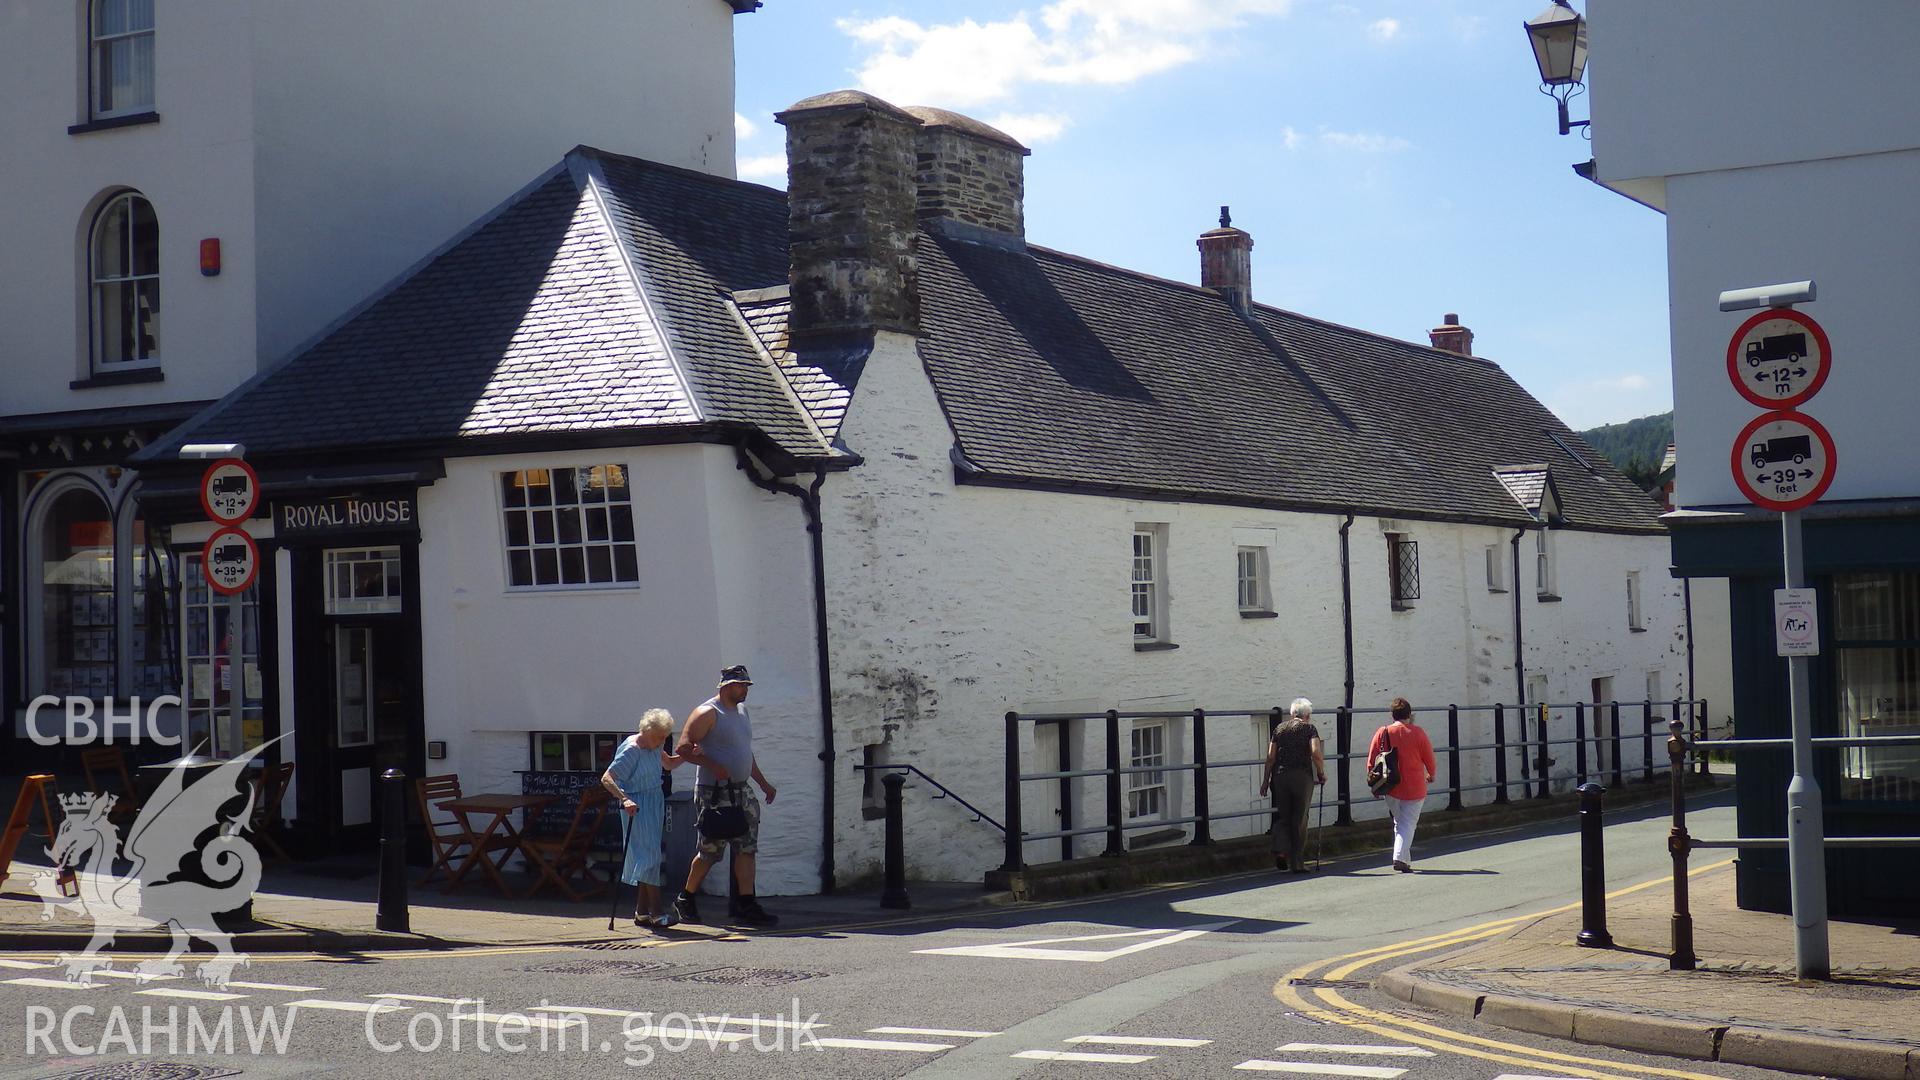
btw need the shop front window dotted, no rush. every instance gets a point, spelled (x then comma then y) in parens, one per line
(205, 646)
(77, 614)
(1877, 682)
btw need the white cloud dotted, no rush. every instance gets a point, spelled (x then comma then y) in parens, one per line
(1071, 43)
(1624, 382)
(1290, 138)
(1470, 27)
(1364, 142)
(743, 128)
(763, 167)
(1031, 128)
(1383, 29)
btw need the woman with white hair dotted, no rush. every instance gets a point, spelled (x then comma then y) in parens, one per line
(1294, 766)
(635, 778)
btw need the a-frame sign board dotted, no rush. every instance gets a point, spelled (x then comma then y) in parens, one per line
(37, 788)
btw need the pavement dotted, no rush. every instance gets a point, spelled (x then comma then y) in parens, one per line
(331, 907)
(1742, 1004)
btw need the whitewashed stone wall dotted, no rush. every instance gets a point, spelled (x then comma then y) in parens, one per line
(951, 605)
(724, 579)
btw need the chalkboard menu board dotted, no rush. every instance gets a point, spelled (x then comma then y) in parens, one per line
(552, 819)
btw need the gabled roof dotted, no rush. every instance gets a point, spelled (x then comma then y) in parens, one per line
(619, 298)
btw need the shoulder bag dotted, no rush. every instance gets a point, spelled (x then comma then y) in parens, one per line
(1384, 774)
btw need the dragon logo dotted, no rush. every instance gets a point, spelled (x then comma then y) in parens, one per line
(182, 833)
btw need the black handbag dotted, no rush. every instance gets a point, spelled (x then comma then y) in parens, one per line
(722, 822)
(1384, 774)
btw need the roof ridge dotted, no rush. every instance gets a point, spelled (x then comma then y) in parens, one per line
(1188, 286)
(586, 150)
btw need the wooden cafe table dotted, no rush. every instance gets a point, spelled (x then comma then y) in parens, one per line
(498, 835)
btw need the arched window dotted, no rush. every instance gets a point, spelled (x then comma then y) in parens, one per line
(121, 35)
(78, 646)
(124, 285)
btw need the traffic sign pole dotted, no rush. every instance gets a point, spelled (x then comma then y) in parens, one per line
(1806, 827)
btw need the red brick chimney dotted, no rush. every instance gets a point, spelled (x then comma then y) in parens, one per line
(1451, 336)
(1226, 262)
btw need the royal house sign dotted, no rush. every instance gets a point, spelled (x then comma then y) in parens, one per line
(345, 514)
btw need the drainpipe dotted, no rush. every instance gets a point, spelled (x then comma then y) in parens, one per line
(1519, 658)
(1686, 598)
(810, 503)
(1346, 606)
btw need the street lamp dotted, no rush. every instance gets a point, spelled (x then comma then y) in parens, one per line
(1559, 39)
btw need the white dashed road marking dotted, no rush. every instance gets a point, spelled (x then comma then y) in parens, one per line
(884, 1044)
(22, 965)
(1342, 1048)
(196, 995)
(427, 999)
(346, 1006)
(1372, 1072)
(519, 1018)
(54, 984)
(1135, 1040)
(1031, 950)
(276, 986)
(1074, 1055)
(937, 1033)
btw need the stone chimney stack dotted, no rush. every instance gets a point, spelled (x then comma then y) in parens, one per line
(1451, 336)
(971, 177)
(1226, 262)
(851, 225)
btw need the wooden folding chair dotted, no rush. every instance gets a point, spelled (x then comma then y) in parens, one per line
(110, 764)
(269, 791)
(557, 860)
(451, 837)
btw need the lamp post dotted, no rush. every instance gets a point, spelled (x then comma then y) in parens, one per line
(1559, 39)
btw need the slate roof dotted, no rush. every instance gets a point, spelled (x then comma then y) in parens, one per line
(661, 304)
(591, 302)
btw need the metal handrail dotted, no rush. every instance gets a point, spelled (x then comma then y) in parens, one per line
(945, 791)
(1533, 740)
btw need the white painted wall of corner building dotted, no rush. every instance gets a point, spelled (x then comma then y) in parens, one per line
(724, 579)
(951, 605)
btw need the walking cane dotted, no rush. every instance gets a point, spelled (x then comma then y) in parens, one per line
(626, 834)
(1318, 843)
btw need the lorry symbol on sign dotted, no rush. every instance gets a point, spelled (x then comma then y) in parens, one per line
(230, 553)
(235, 484)
(1794, 448)
(1776, 347)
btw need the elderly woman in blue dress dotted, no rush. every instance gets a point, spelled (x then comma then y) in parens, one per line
(635, 779)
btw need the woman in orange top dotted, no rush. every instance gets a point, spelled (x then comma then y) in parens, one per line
(1417, 770)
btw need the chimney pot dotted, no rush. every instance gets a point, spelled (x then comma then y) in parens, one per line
(1451, 337)
(1226, 262)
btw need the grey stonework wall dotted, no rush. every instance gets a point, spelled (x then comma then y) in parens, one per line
(972, 180)
(851, 198)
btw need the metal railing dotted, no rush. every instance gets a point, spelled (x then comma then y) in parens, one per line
(944, 792)
(1680, 843)
(1531, 750)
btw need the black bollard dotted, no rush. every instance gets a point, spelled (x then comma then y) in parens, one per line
(895, 893)
(1593, 870)
(392, 913)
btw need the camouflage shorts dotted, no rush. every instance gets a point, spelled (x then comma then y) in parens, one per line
(728, 793)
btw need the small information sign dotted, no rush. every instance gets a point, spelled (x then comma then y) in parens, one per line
(1796, 623)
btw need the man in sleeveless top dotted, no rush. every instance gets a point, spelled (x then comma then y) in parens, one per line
(718, 737)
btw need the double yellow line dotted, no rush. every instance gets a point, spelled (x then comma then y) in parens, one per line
(1334, 1007)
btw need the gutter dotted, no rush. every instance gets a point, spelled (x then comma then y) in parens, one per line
(1344, 740)
(810, 504)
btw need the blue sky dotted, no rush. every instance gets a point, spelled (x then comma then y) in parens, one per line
(1393, 162)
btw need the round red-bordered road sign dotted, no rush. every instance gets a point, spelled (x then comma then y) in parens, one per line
(1779, 358)
(1783, 460)
(230, 561)
(229, 490)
